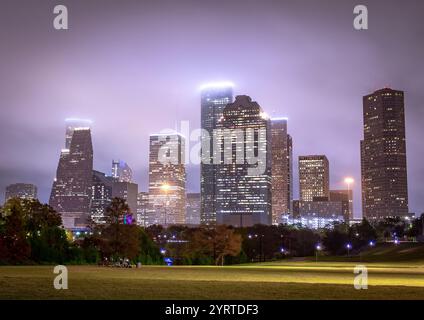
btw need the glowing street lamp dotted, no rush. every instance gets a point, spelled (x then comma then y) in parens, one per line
(348, 247)
(349, 181)
(318, 248)
(371, 243)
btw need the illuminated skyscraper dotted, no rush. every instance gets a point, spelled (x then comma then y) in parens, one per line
(214, 98)
(314, 177)
(21, 191)
(243, 177)
(193, 209)
(282, 184)
(71, 124)
(142, 209)
(383, 155)
(167, 178)
(101, 196)
(72, 187)
(121, 171)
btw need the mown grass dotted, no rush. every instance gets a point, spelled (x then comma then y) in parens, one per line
(286, 280)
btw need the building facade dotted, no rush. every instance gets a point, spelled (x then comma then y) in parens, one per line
(346, 198)
(127, 191)
(142, 209)
(193, 209)
(383, 155)
(101, 196)
(72, 187)
(281, 168)
(167, 179)
(121, 171)
(314, 177)
(214, 98)
(243, 176)
(21, 190)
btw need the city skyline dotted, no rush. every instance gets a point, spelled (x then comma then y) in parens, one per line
(325, 114)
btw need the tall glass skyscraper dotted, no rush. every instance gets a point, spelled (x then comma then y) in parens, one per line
(282, 182)
(243, 176)
(214, 98)
(383, 155)
(167, 179)
(72, 187)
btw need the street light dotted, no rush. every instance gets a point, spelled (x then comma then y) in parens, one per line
(372, 244)
(349, 181)
(348, 247)
(318, 248)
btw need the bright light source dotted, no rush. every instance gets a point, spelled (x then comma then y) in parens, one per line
(165, 187)
(371, 243)
(78, 120)
(348, 246)
(264, 115)
(217, 85)
(349, 180)
(279, 119)
(318, 247)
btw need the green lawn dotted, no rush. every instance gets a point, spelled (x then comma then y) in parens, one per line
(283, 280)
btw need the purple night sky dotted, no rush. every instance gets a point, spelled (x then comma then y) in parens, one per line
(134, 68)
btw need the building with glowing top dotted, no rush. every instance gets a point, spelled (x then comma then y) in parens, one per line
(243, 173)
(214, 98)
(72, 188)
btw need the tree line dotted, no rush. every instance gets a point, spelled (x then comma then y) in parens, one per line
(31, 233)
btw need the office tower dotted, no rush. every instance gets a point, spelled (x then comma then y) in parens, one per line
(142, 209)
(21, 191)
(193, 209)
(71, 124)
(345, 197)
(127, 191)
(214, 98)
(314, 177)
(281, 150)
(101, 196)
(383, 155)
(121, 171)
(71, 191)
(167, 179)
(243, 176)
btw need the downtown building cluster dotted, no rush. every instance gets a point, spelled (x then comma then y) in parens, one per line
(246, 171)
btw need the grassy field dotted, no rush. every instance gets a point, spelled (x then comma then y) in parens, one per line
(280, 280)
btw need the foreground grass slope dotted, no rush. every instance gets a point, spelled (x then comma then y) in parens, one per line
(303, 280)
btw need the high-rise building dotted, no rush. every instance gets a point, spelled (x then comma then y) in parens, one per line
(121, 171)
(214, 98)
(71, 124)
(72, 187)
(243, 176)
(167, 179)
(142, 209)
(127, 191)
(345, 197)
(383, 155)
(193, 209)
(314, 177)
(281, 168)
(21, 191)
(101, 196)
